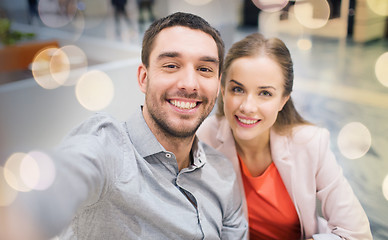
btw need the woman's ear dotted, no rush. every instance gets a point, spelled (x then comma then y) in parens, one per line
(284, 101)
(142, 77)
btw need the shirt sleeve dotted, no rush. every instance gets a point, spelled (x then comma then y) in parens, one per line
(235, 225)
(326, 236)
(81, 177)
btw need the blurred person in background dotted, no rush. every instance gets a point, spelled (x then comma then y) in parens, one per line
(148, 177)
(120, 12)
(283, 163)
(32, 11)
(145, 5)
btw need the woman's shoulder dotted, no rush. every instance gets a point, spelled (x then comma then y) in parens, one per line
(210, 124)
(308, 134)
(210, 129)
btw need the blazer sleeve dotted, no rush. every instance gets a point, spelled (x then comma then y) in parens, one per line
(340, 207)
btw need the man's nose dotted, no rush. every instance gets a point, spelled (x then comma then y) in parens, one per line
(189, 80)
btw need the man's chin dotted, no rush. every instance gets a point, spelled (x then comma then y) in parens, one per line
(182, 132)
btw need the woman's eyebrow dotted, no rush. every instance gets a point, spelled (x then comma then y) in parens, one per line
(260, 87)
(234, 81)
(266, 87)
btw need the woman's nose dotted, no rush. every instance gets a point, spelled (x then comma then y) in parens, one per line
(248, 105)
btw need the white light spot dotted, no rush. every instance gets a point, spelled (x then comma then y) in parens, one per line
(198, 2)
(385, 187)
(95, 90)
(270, 5)
(312, 13)
(304, 44)
(12, 172)
(381, 69)
(7, 194)
(379, 7)
(354, 140)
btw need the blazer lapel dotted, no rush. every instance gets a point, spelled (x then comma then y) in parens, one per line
(228, 147)
(281, 156)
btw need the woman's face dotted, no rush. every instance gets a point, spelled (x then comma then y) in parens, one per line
(253, 96)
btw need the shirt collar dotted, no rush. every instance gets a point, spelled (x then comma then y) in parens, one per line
(141, 136)
(199, 155)
(146, 143)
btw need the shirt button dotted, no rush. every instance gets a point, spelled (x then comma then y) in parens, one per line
(168, 155)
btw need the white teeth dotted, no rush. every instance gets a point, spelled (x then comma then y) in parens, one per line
(246, 121)
(183, 105)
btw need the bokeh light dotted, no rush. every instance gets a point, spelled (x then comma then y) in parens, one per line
(270, 5)
(271, 24)
(354, 140)
(29, 172)
(381, 69)
(12, 172)
(379, 7)
(94, 90)
(71, 67)
(40, 68)
(304, 44)
(57, 14)
(37, 170)
(7, 194)
(198, 2)
(59, 66)
(385, 187)
(312, 13)
(79, 26)
(95, 12)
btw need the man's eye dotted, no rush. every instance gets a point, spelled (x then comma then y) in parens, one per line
(170, 66)
(205, 69)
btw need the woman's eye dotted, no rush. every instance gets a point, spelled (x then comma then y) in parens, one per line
(265, 93)
(237, 90)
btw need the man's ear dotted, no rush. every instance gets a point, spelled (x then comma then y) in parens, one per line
(222, 91)
(142, 77)
(219, 84)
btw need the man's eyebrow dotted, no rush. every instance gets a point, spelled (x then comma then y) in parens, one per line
(177, 54)
(168, 55)
(210, 59)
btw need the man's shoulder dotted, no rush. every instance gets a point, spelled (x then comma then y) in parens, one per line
(96, 123)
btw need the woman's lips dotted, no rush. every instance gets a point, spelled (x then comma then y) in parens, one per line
(247, 122)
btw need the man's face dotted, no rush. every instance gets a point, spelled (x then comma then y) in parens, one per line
(181, 82)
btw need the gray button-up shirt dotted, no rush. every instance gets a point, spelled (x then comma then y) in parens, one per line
(123, 184)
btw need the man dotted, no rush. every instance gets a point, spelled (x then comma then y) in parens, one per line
(149, 177)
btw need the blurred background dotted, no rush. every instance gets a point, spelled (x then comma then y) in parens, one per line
(63, 60)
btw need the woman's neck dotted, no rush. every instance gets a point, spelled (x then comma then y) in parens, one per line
(255, 153)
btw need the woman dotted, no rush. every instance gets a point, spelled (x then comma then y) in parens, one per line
(284, 163)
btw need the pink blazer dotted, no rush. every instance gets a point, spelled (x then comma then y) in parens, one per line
(309, 171)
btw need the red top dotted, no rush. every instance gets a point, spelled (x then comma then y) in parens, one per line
(271, 212)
